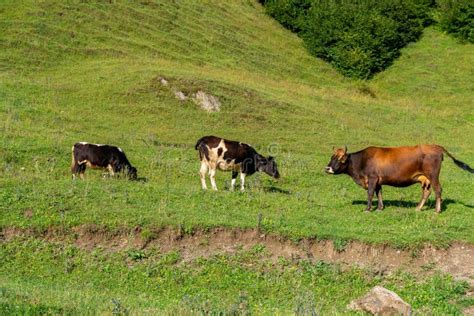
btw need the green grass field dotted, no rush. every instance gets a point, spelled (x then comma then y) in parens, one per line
(86, 71)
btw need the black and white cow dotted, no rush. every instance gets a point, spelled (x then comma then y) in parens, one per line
(218, 153)
(99, 156)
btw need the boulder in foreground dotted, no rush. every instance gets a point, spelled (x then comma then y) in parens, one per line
(380, 301)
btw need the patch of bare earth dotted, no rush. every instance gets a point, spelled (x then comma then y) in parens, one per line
(457, 260)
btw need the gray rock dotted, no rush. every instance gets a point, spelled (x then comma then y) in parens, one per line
(380, 301)
(180, 95)
(163, 82)
(207, 102)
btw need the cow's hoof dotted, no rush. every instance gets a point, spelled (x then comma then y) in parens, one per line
(379, 209)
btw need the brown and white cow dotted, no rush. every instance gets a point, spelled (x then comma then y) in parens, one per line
(397, 166)
(99, 156)
(226, 155)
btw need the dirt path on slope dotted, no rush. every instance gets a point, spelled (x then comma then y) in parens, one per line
(457, 260)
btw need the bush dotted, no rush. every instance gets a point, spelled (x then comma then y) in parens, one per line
(290, 13)
(359, 38)
(457, 18)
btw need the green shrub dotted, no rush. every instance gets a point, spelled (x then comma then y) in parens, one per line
(411, 17)
(290, 13)
(359, 38)
(457, 18)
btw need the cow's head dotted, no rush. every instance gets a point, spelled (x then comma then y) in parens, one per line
(338, 163)
(132, 173)
(268, 165)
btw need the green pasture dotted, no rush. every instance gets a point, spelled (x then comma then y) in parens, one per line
(85, 71)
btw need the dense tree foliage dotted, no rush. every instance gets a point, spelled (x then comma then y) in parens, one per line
(457, 18)
(360, 38)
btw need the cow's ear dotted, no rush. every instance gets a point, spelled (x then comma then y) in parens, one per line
(345, 149)
(333, 149)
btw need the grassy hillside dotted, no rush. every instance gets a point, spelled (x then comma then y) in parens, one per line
(56, 92)
(85, 71)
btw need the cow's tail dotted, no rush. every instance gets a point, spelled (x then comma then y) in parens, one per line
(198, 143)
(458, 163)
(200, 147)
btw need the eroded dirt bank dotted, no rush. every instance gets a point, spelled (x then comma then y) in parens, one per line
(457, 260)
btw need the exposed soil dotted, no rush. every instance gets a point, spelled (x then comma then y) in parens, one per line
(457, 260)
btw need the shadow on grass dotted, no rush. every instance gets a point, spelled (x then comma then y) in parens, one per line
(141, 179)
(412, 204)
(273, 189)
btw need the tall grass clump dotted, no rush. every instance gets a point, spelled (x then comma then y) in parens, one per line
(359, 38)
(457, 18)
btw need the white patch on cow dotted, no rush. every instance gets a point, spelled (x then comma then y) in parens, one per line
(218, 161)
(242, 182)
(329, 170)
(89, 164)
(86, 143)
(212, 175)
(111, 170)
(120, 149)
(203, 172)
(232, 184)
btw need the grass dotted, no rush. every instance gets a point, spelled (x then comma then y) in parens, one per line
(85, 71)
(268, 100)
(73, 281)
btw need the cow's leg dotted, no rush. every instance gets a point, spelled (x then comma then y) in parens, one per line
(212, 175)
(234, 179)
(370, 194)
(111, 170)
(74, 164)
(75, 168)
(434, 179)
(426, 190)
(378, 191)
(437, 189)
(82, 169)
(242, 181)
(202, 173)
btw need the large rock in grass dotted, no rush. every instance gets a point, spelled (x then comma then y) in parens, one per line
(207, 102)
(380, 301)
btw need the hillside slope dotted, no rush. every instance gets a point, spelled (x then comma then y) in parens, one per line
(88, 71)
(275, 96)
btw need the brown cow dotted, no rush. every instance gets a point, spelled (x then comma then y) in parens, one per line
(219, 153)
(397, 166)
